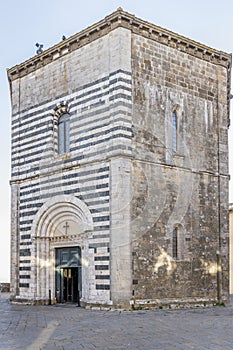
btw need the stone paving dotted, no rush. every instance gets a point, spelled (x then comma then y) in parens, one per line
(67, 327)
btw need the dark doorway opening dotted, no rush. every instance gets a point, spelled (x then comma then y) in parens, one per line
(68, 275)
(70, 285)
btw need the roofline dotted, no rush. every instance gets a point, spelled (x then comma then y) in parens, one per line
(120, 18)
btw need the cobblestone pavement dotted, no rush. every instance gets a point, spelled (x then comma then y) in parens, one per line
(24, 327)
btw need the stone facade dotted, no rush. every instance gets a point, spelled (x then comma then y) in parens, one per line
(143, 189)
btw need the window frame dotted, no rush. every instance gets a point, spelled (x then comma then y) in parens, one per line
(174, 131)
(63, 130)
(175, 242)
(61, 118)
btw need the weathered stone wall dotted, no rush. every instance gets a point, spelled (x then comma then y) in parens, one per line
(133, 178)
(186, 188)
(5, 287)
(231, 246)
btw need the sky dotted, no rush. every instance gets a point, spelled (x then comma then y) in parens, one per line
(26, 22)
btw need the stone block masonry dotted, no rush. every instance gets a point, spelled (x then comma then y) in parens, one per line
(183, 189)
(134, 210)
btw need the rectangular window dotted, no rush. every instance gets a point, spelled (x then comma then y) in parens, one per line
(175, 243)
(64, 134)
(174, 132)
(61, 148)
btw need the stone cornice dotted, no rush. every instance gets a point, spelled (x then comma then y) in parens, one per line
(123, 19)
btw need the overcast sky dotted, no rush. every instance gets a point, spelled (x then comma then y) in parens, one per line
(25, 22)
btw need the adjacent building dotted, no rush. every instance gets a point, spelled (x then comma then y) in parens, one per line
(231, 246)
(120, 169)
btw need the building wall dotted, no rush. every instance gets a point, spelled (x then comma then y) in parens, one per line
(231, 246)
(95, 83)
(122, 188)
(187, 188)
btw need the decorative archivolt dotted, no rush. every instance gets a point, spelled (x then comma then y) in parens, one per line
(61, 109)
(51, 217)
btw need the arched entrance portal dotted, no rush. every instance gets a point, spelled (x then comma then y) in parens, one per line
(68, 275)
(61, 233)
